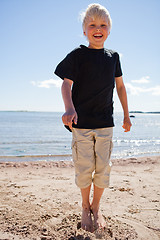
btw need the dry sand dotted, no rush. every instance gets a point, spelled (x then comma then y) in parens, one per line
(39, 200)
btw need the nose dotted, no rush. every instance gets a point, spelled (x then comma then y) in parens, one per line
(98, 28)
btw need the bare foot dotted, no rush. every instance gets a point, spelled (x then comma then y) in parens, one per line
(86, 222)
(99, 222)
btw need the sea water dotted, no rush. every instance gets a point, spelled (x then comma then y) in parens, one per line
(41, 135)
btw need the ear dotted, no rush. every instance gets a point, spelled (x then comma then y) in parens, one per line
(84, 33)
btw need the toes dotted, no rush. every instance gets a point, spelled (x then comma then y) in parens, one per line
(87, 228)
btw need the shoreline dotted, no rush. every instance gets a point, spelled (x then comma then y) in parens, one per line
(33, 158)
(40, 201)
(62, 157)
(149, 159)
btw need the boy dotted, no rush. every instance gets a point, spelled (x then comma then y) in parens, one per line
(89, 75)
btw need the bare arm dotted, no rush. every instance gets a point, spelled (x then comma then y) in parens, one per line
(121, 91)
(70, 114)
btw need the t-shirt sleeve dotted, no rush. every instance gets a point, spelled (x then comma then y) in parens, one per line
(118, 71)
(66, 68)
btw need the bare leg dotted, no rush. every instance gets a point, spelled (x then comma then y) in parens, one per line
(99, 221)
(86, 222)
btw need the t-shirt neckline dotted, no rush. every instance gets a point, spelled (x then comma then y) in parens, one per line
(91, 49)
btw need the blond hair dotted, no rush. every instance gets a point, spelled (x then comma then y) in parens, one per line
(96, 10)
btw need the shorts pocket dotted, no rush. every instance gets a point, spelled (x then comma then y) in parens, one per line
(110, 151)
(74, 150)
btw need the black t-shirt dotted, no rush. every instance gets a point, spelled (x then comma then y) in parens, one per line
(93, 73)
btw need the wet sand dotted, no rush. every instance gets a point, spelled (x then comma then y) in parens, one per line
(39, 200)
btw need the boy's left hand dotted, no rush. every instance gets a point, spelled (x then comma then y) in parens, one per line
(127, 124)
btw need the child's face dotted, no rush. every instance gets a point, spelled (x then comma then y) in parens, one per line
(96, 30)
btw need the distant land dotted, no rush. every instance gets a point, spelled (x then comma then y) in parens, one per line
(144, 112)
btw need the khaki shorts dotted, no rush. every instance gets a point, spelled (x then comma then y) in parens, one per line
(91, 150)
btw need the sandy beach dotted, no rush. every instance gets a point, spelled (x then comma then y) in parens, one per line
(39, 200)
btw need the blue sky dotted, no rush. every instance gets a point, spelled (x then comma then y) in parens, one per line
(37, 34)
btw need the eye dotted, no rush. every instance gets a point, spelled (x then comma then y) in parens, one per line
(92, 25)
(104, 25)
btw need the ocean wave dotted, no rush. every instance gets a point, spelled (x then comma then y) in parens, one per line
(157, 141)
(33, 142)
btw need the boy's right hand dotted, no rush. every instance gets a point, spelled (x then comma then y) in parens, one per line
(69, 117)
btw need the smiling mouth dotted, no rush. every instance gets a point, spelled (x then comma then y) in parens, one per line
(98, 36)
